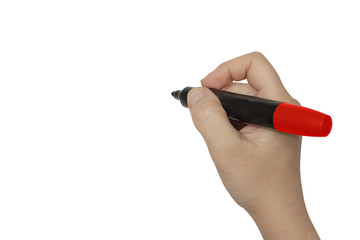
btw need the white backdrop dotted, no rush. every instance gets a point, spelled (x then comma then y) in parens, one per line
(93, 146)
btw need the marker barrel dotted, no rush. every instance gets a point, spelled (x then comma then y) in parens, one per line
(281, 116)
(247, 109)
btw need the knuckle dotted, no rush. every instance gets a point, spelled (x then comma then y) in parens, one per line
(222, 65)
(257, 54)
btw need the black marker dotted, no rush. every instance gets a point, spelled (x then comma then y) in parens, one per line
(281, 116)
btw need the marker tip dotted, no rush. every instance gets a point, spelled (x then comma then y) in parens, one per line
(176, 94)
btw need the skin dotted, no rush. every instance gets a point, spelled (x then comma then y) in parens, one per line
(259, 167)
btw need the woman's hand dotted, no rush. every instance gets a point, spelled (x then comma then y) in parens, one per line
(259, 167)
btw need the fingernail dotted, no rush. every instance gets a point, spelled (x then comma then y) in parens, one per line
(195, 95)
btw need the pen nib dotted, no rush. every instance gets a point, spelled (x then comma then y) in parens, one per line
(176, 94)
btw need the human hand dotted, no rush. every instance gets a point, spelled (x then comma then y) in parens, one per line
(259, 167)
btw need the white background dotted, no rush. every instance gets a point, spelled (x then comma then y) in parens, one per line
(93, 146)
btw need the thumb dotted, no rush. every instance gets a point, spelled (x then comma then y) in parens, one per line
(210, 119)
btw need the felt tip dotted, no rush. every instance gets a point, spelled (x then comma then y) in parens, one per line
(176, 94)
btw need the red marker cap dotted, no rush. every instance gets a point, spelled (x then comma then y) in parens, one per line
(301, 120)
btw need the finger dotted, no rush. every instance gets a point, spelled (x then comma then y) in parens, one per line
(211, 120)
(254, 67)
(242, 88)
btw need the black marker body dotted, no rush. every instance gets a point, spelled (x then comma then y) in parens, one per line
(247, 109)
(239, 107)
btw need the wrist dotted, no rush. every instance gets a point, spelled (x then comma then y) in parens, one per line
(289, 222)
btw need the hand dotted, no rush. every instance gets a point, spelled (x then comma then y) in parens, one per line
(259, 167)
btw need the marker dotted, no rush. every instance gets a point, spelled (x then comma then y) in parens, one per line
(282, 116)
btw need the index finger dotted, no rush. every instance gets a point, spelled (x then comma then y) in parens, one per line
(254, 67)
